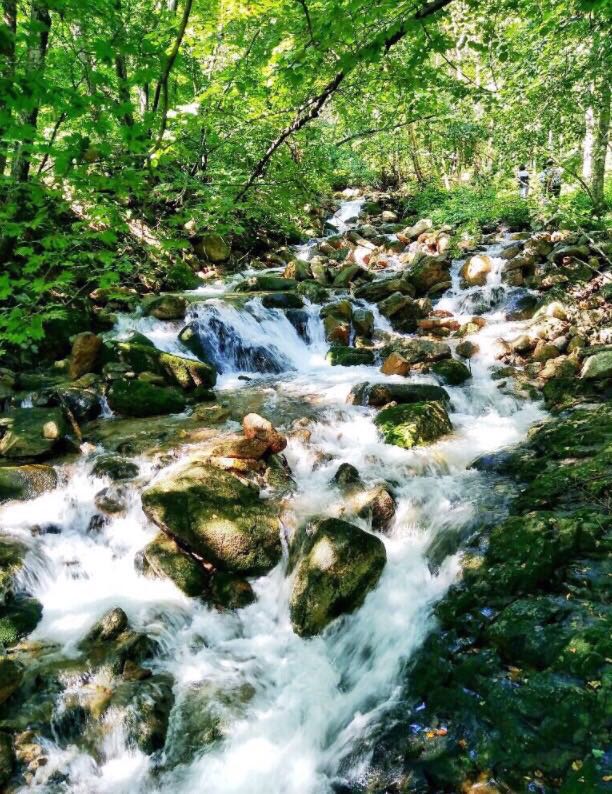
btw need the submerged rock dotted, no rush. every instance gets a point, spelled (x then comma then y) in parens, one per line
(116, 467)
(338, 564)
(413, 424)
(218, 517)
(26, 482)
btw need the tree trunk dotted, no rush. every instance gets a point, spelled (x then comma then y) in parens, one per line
(587, 144)
(8, 24)
(37, 52)
(601, 96)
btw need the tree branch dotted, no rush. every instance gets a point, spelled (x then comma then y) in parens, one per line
(376, 130)
(312, 108)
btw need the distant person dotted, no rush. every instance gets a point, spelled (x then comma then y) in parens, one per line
(522, 176)
(550, 179)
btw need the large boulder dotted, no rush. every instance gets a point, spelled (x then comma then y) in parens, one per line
(341, 356)
(427, 272)
(256, 427)
(19, 616)
(212, 247)
(138, 398)
(11, 676)
(26, 482)
(414, 424)
(395, 364)
(597, 367)
(379, 394)
(265, 283)
(401, 311)
(163, 557)
(282, 300)
(84, 355)
(213, 514)
(338, 564)
(27, 433)
(337, 322)
(166, 307)
(417, 351)
(451, 371)
(380, 289)
(176, 370)
(475, 270)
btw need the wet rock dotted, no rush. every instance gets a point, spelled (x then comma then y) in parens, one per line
(282, 300)
(475, 271)
(26, 482)
(395, 364)
(339, 355)
(110, 626)
(19, 616)
(522, 344)
(137, 398)
(597, 367)
(426, 272)
(376, 504)
(401, 311)
(382, 288)
(177, 371)
(116, 467)
(347, 477)
(213, 514)
(11, 676)
(313, 291)
(337, 565)
(111, 500)
(418, 350)
(164, 558)
(229, 591)
(7, 758)
(467, 349)
(85, 354)
(12, 554)
(298, 270)
(263, 283)
(212, 247)
(81, 397)
(238, 446)
(256, 427)
(412, 232)
(145, 707)
(337, 330)
(363, 322)
(545, 351)
(413, 424)
(27, 433)
(451, 371)
(351, 274)
(166, 307)
(379, 394)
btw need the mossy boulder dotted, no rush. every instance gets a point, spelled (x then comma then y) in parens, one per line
(341, 356)
(429, 271)
(26, 482)
(215, 515)
(379, 394)
(451, 371)
(176, 370)
(282, 300)
(212, 247)
(413, 424)
(115, 467)
(597, 367)
(165, 307)
(138, 398)
(229, 591)
(265, 283)
(29, 433)
(12, 554)
(163, 557)
(337, 565)
(11, 675)
(417, 351)
(19, 616)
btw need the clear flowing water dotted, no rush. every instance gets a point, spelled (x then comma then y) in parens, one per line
(291, 716)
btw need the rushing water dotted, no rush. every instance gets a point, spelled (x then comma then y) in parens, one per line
(293, 716)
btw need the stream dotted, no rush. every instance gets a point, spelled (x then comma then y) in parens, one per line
(291, 715)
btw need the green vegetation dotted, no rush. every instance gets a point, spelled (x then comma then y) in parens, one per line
(133, 133)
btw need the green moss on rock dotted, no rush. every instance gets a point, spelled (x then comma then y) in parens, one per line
(138, 398)
(413, 424)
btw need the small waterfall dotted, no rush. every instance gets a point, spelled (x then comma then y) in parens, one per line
(254, 339)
